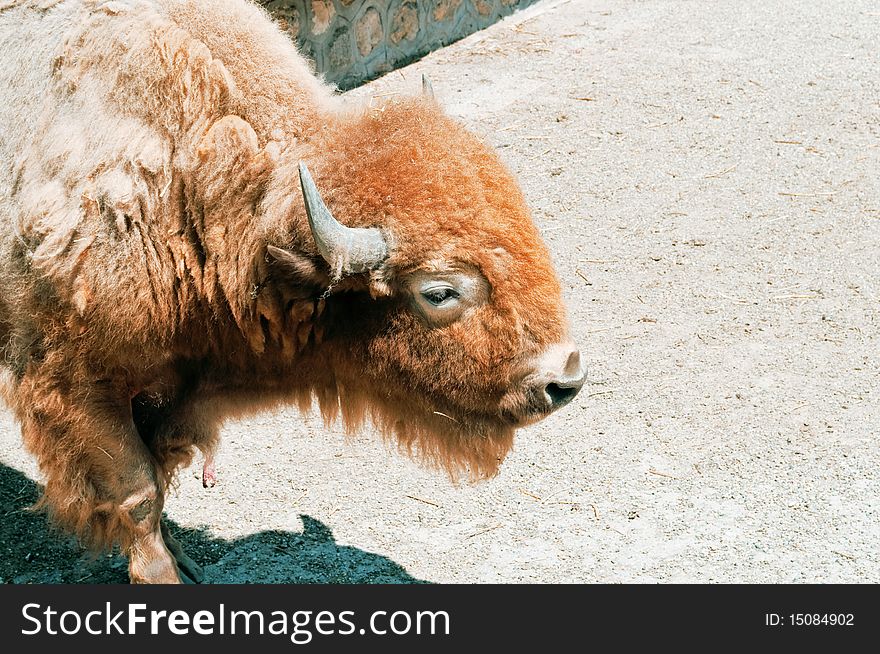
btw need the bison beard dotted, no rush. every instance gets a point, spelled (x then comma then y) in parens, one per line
(475, 448)
(167, 261)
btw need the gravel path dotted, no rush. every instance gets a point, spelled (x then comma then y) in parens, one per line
(707, 177)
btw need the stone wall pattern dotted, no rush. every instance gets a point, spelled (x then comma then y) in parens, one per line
(352, 41)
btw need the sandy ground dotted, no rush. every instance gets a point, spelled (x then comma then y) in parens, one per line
(706, 175)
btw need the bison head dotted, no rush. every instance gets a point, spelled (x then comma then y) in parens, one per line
(444, 321)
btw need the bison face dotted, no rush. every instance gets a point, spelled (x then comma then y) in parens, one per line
(484, 357)
(457, 335)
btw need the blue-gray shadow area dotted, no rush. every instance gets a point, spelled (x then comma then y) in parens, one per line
(31, 551)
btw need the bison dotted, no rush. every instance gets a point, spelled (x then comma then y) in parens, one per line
(195, 227)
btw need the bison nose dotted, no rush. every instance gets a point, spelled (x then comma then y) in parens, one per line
(562, 388)
(561, 375)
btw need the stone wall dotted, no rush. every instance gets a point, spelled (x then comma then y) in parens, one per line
(352, 41)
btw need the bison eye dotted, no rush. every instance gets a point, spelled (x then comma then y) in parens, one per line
(440, 295)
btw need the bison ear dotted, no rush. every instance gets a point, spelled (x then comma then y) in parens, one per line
(297, 268)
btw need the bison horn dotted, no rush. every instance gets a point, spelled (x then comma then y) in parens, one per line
(346, 249)
(427, 87)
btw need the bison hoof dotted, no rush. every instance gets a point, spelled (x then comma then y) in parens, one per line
(190, 571)
(186, 579)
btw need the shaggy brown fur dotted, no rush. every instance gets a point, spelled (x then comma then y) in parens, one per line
(151, 164)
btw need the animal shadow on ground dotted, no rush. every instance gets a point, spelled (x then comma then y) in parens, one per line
(31, 551)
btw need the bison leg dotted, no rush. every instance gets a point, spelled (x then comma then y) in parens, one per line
(102, 482)
(170, 437)
(137, 486)
(150, 560)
